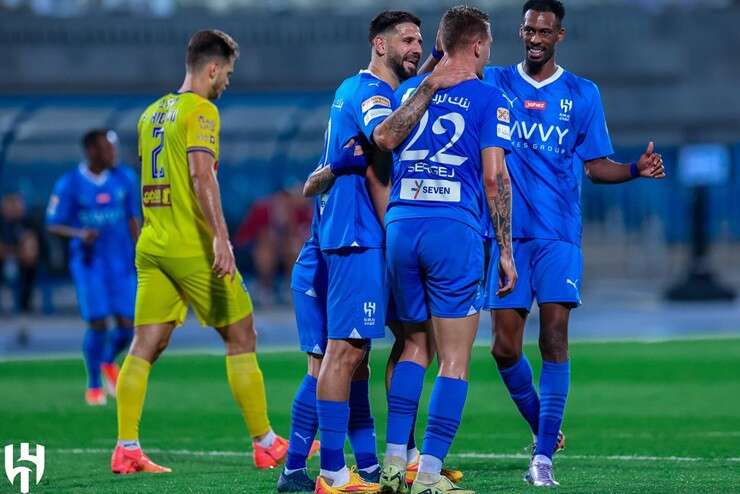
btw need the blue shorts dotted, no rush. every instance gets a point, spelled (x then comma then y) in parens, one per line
(356, 294)
(548, 270)
(436, 268)
(102, 291)
(310, 317)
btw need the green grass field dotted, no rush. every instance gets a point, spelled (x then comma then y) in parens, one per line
(641, 417)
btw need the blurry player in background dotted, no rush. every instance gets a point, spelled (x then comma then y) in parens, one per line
(351, 236)
(184, 255)
(558, 124)
(96, 207)
(444, 177)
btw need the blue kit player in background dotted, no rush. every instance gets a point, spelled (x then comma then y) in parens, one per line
(350, 234)
(96, 207)
(445, 174)
(558, 125)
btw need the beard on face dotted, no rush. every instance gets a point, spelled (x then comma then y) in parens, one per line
(396, 63)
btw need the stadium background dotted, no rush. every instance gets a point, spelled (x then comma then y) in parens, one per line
(665, 69)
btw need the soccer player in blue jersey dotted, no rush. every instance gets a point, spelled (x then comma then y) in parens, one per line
(450, 168)
(558, 125)
(350, 234)
(96, 207)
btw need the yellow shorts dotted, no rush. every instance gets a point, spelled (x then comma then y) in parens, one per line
(167, 285)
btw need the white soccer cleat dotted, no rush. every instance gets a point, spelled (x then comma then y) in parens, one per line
(540, 472)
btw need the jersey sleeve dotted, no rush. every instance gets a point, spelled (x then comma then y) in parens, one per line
(202, 129)
(593, 140)
(496, 123)
(62, 207)
(374, 102)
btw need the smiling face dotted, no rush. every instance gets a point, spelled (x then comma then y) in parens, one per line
(541, 32)
(403, 44)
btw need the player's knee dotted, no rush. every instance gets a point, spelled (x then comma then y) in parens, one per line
(454, 365)
(345, 356)
(554, 342)
(504, 353)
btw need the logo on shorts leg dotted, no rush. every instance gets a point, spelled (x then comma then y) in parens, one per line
(369, 309)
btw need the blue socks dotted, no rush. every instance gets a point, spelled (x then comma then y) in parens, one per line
(445, 411)
(118, 340)
(333, 423)
(403, 403)
(93, 347)
(518, 380)
(361, 426)
(554, 383)
(304, 422)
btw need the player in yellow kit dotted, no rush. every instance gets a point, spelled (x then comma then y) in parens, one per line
(184, 257)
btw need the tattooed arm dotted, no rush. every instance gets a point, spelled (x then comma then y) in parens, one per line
(394, 129)
(498, 192)
(351, 160)
(319, 181)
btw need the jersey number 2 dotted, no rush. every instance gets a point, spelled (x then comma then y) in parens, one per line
(156, 171)
(441, 156)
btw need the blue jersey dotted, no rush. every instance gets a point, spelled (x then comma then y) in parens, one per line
(437, 170)
(557, 124)
(348, 218)
(102, 202)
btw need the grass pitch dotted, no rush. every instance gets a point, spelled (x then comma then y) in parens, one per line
(641, 418)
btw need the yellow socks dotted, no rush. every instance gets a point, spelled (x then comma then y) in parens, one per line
(248, 388)
(130, 394)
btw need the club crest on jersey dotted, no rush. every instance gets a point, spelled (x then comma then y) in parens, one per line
(502, 114)
(535, 105)
(566, 106)
(338, 103)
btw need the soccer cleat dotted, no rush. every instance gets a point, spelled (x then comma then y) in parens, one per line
(371, 477)
(442, 486)
(355, 485)
(95, 397)
(539, 473)
(559, 446)
(271, 457)
(125, 461)
(110, 378)
(298, 481)
(393, 477)
(412, 469)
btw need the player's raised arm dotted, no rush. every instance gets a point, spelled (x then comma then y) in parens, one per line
(606, 171)
(397, 126)
(498, 192)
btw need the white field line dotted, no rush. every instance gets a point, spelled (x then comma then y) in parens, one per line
(481, 456)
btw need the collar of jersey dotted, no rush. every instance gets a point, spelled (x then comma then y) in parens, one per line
(539, 84)
(370, 72)
(95, 179)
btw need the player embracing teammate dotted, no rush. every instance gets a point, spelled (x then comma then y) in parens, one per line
(557, 126)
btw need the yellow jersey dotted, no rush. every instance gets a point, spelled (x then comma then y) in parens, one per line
(169, 129)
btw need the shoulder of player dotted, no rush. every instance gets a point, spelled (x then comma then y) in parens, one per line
(496, 72)
(584, 87)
